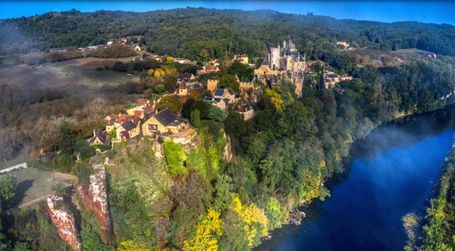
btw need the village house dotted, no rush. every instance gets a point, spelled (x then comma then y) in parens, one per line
(211, 67)
(246, 111)
(128, 129)
(164, 122)
(264, 70)
(244, 86)
(187, 77)
(331, 79)
(100, 138)
(113, 121)
(226, 94)
(184, 61)
(189, 89)
(242, 58)
(143, 108)
(218, 102)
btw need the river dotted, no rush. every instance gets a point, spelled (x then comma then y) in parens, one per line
(392, 172)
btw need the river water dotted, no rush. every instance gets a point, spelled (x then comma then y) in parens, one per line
(392, 172)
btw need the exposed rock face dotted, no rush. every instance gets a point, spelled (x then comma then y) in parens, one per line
(228, 149)
(64, 221)
(95, 198)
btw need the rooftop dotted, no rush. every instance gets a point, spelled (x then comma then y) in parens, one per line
(168, 118)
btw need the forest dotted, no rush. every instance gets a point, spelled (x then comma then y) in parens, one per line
(185, 32)
(197, 199)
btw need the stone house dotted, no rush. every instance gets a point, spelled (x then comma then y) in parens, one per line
(99, 138)
(227, 94)
(247, 111)
(128, 129)
(164, 122)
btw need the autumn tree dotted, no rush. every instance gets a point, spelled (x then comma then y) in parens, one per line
(131, 245)
(207, 233)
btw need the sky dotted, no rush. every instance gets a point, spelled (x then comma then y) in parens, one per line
(384, 11)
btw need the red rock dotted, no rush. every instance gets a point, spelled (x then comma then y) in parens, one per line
(95, 198)
(64, 221)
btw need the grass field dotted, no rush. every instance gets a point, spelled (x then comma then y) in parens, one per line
(33, 183)
(80, 74)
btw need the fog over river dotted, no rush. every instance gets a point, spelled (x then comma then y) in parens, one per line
(392, 172)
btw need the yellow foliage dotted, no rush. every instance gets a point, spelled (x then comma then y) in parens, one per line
(310, 188)
(322, 164)
(169, 71)
(150, 72)
(131, 246)
(252, 216)
(158, 73)
(207, 232)
(170, 60)
(338, 156)
(275, 99)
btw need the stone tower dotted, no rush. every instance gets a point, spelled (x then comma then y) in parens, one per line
(274, 58)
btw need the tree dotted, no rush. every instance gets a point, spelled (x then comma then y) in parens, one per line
(91, 234)
(7, 190)
(228, 80)
(21, 246)
(207, 233)
(243, 72)
(131, 246)
(215, 113)
(256, 224)
(276, 214)
(204, 54)
(171, 101)
(67, 139)
(159, 88)
(195, 118)
(175, 158)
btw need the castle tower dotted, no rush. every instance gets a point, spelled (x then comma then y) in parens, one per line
(274, 58)
(291, 45)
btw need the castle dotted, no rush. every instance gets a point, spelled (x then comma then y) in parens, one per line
(286, 58)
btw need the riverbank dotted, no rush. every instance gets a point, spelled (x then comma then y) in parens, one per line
(412, 133)
(439, 229)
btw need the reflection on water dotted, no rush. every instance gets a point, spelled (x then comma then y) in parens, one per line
(394, 171)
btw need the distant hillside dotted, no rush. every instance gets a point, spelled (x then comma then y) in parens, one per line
(185, 32)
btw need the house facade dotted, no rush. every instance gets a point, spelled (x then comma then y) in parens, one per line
(164, 122)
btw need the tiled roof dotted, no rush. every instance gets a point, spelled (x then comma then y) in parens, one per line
(168, 118)
(128, 125)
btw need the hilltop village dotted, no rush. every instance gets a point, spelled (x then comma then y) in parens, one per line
(148, 119)
(178, 118)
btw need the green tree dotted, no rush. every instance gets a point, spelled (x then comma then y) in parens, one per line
(228, 80)
(171, 101)
(204, 54)
(195, 118)
(215, 113)
(8, 185)
(22, 246)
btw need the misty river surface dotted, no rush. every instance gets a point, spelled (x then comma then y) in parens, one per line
(392, 172)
